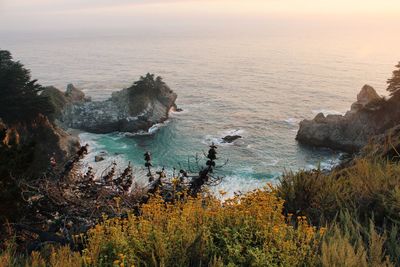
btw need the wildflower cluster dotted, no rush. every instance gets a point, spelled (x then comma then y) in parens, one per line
(247, 230)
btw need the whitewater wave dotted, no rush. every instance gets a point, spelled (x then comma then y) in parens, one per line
(152, 130)
(292, 121)
(325, 165)
(327, 112)
(174, 113)
(236, 184)
(96, 149)
(233, 132)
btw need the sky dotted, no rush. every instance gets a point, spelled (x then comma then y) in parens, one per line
(37, 15)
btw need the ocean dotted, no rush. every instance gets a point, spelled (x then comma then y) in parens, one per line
(259, 87)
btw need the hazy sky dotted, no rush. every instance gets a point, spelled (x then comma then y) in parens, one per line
(159, 14)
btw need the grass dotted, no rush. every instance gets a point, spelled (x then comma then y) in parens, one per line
(368, 189)
(359, 204)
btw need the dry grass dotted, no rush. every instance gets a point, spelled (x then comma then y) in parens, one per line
(360, 204)
(367, 188)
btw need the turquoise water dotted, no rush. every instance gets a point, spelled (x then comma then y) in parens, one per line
(259, 87)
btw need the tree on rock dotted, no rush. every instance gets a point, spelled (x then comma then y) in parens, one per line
(146, 90)
(394, 82)
(20, 98)
(148, 84)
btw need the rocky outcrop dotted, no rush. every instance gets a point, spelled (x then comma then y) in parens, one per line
(73, 94)
(366, 96)
(371, 115)
(134, 109)
(98, 158)
(61, 99)
(52, 140)
(231, 138)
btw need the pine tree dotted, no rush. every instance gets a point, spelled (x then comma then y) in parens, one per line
(20, 98)
(394, 82)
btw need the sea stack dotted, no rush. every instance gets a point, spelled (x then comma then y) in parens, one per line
(137, 108)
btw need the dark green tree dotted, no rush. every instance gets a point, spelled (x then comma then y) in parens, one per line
(148, 84)
(144, 84)
(20, 99)
(394, 82)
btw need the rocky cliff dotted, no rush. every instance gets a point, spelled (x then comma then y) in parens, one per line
(137, 108)
(369, 116)
(29, 146)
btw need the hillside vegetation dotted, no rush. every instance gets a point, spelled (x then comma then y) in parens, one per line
(346, 218)
(245, 231)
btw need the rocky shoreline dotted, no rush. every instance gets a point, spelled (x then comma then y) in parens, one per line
(370, 116)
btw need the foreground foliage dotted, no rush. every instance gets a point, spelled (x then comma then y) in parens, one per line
(244, 231)
(354, 211)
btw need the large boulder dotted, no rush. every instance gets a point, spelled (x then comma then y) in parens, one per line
(366, 96)
(230, 138)
(74, 94)
(354, 130)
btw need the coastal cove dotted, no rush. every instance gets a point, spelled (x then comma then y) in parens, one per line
(239, 175)
(259, 88)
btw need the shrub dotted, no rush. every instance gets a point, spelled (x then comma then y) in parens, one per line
(243, 231)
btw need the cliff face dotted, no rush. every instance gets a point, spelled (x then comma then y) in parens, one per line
(368, 117)
(29, 146)
(49, 141)
(129, 110)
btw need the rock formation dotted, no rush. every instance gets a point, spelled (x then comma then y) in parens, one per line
(100, 157)
(366, 96)
(61, 99)
(231, 138)
(74, 94)
(371, 115)
(145, 103)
